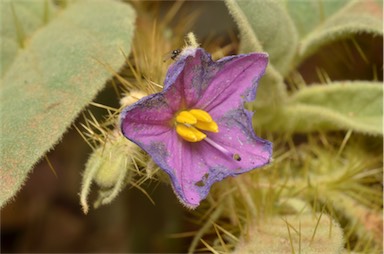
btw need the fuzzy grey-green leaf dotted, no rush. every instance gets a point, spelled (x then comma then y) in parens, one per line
(19, 20)
(308, 15)
(346, 105)
(271, 89)
(354, 18)
(265, 26)
(63, 66)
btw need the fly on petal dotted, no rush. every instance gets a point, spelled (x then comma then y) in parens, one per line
(197, 129)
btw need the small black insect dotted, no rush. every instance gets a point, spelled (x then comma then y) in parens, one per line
(175, 53)
(172, 55)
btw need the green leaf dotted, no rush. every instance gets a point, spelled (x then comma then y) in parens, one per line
(354, 18)
(20, 19)
(271, 91)
(346, 105)
(265, 26)
(61, 69)
(304, 233)
(308, 15)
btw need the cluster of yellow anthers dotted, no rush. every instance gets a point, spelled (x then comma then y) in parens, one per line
(189, 123)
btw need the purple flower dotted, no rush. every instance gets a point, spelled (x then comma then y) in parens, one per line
(197, 129)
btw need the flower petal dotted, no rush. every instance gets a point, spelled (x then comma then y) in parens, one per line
(235, 83)
(170, 152)
(237, 136)
(148, 117)
(213, 86)
(199, 165)
(184, 79)
(194, 167)
(147, 123)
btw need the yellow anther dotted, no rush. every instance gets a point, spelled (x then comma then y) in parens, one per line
(212, 126)
(186, 118)
(189, 123)
(190, 134)
(201, 115)
(199, 135)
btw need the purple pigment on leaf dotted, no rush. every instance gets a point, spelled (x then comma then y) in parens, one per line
(219, 89)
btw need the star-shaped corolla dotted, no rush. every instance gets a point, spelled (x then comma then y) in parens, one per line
(197, 129)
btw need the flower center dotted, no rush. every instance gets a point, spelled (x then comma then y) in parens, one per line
(189, 123)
